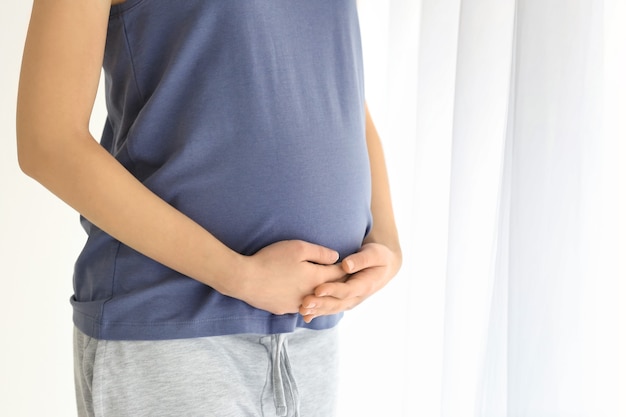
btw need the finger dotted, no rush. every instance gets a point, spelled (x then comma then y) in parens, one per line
(365, 258)
(343, 290)
(327, 306)
(317, 254)
(322, 274)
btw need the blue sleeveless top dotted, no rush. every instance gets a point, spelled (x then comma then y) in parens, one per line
(247, 116)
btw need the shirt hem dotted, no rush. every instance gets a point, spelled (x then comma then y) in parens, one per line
(287, 323)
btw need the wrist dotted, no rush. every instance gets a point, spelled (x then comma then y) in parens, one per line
(237, 275)
(395, 251)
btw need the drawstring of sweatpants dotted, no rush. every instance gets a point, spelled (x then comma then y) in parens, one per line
(283, 382)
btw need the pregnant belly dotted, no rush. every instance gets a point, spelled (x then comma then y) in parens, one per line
(249, 201)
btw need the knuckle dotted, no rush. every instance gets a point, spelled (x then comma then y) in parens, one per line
(322, 289)
(298, 246)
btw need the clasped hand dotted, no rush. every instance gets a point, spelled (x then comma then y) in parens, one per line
(367, 271)
(299, 277)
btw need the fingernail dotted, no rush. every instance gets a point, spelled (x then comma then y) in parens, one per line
(310, 305)
(350, 264)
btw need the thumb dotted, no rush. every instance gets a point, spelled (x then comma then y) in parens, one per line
(356, 262)
(319, 254)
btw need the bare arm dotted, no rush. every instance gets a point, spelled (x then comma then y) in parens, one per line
(60, 73)
(384, 226)
(380, 257)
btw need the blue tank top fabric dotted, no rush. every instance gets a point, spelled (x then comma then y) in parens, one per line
(247, 116)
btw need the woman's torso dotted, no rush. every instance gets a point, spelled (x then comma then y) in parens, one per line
(246, 115)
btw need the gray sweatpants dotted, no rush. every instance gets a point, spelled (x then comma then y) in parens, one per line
(246, 375)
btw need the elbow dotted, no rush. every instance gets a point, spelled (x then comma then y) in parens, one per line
(28, 153)
(25, 157)
(44, 156)
(35, 152)
(40, 152)
(35, 143)
(26, 164)
(27, 138)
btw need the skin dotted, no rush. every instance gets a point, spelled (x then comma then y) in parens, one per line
(58, 83)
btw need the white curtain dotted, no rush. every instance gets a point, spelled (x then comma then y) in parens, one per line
(504, 122)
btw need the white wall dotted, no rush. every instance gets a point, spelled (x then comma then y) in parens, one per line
(40, 237)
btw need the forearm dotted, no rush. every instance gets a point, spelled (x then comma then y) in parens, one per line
(384, 229)
(90, 180)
